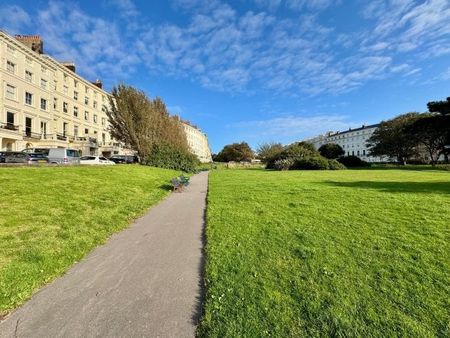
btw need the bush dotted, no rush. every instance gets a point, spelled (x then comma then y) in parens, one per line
(335, 165)
(294, 151)
(353, 162)
(169, 157)
(284, 164)
(311, 163)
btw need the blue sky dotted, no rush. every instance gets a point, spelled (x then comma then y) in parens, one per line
(255, 70)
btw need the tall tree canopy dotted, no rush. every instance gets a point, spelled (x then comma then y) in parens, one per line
(393, 139)
(432, 132)
(141, 123)
(442, 107)
(266, 151)
(235, 152)
(331, 150)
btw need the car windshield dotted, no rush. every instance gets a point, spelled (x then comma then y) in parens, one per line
(87, 158)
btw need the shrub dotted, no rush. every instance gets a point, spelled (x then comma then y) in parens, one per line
(294, 151)
(169, 157)
(353, 162)
(316, 163)
(335, 165)
(311, 163)
(284, 164)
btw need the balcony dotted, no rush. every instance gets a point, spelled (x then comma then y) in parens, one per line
(9, 126)
(91, 141)
(29, 134)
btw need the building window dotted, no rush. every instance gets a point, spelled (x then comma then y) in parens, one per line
(75, 95)
(66, 90)
(357, 153)
(65, 107)
(86, 115)
(65, 125)
(43, 104)
(55, 103)
(55, 85)
(28, 76)
(95, 104)
(86, 101)
(10, 92)
(103, 138)
(44, 129)
(75, 131)
(364, 152)
(103, 121)
(43, 84)
(28, 126)
(86, 90)
(28, 98)
(65, 77)
(10, 120)
(10, 67)
(104, 108)
(75, 83)
(95, 118)
(86, 131)
(75, 111)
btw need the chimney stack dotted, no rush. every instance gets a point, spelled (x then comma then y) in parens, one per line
(34, 42)
(70, 66)
(98, 83)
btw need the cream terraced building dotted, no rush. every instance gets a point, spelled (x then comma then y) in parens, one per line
(352, 141)
(198, 142)
(44, 103)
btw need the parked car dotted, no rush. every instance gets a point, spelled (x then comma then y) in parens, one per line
(63, 156)
(37, 150)
(95, 160)
(37, 158)
(2, 156)
(21, 157)
(119, 159)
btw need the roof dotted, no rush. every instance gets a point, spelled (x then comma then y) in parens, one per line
(356, 129)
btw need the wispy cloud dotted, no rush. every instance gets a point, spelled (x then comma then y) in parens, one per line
(291, 128)
(225, 49)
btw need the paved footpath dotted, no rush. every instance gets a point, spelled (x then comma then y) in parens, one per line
(144, 282)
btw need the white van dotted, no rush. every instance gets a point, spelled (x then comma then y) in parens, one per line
(63, 156)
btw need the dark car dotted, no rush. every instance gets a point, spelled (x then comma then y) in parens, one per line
(21, 157)
(37, 158)
(2, 156)
(121, 159)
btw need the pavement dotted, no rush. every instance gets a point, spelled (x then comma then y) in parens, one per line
(146, 281)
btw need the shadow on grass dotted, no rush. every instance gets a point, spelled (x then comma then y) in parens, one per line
(410, 187)
(166, 187)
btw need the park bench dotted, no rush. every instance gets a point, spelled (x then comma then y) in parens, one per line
(178, 183)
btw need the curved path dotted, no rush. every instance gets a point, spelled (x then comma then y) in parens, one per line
(144, 282)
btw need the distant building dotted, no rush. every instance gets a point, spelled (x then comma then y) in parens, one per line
(44, 103)
(197, 142)
(352, 141)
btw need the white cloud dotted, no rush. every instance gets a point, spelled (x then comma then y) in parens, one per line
(292, 127)
(13, 19)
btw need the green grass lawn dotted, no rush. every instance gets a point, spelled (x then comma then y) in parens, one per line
(51, 217)
(352, 253)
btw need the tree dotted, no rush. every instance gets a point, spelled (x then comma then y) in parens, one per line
(267, 151)
(432, 131)
(140, 123)
(235, 152)
(442, 107)
(331, 150)
(393, 139)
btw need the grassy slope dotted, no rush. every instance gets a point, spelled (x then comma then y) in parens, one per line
(51, 217)
(354, 253)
